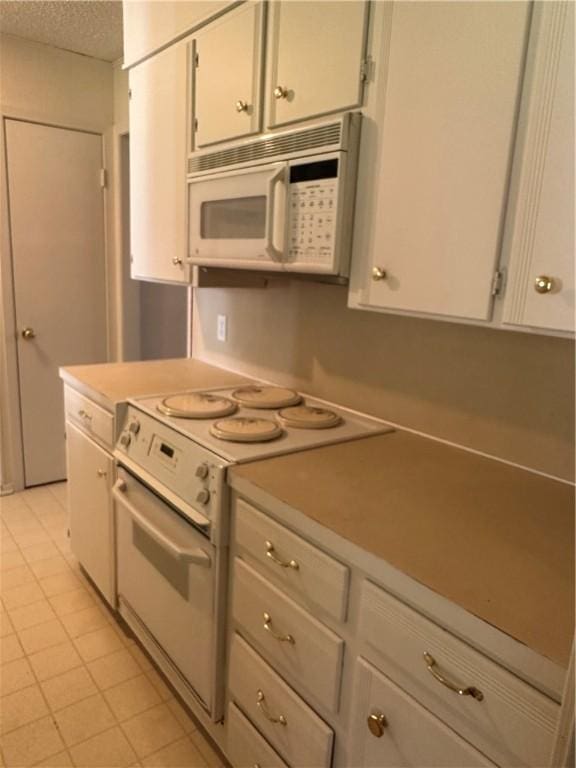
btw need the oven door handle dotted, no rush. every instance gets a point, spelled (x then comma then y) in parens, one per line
(194, 556)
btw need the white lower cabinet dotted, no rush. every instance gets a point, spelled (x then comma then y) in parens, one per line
(90, 478)
(246, 747)
(377, 685)
(285, 720)
(390, 728)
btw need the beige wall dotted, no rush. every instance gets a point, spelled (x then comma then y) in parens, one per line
(50, 84)
(508, 394)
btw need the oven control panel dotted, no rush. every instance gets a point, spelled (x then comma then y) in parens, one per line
(186, 474)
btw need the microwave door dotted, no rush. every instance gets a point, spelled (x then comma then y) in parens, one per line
(237, 218)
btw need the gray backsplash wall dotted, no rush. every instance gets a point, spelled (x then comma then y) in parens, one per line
(504, 393)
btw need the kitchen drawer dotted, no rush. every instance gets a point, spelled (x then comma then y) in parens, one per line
(246, 747)
(92, 419)
(404, 732)
(307, 574)
(312, 658)
(286, 721)
(509, 720)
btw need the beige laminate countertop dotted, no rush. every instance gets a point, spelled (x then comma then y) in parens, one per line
(494, 539)
(111, 383)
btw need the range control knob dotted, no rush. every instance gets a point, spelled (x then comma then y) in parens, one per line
(134, 427)
(125, 439)
(202, 471)
(203, 497)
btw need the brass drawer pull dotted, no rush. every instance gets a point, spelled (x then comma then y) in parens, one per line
(469, 691)
(275, 635)
(261, 703)
(270, 552)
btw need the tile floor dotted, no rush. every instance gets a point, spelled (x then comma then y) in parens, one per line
(75, 689)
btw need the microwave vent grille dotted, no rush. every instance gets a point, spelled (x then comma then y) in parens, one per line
(323, 136)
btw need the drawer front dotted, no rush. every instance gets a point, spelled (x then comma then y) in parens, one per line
(246, 747)
(297, 644)
(92, 419)
(286, 721)
(404, 732)
(512, 723)
(307, 574)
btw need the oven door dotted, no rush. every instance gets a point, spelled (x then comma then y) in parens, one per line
(166, 577)
(238, 218)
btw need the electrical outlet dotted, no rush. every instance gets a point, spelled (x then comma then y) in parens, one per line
(222, 328)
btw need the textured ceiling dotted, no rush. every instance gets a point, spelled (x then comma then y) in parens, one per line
(91, 27)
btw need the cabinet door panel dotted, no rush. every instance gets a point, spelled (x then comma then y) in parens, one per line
(158, 131)
(542, 222)
(90, 478)
(316, 50)
(411, 736)
(446, 130)
(228, 76)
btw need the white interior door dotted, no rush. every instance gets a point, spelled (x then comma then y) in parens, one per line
(57, 231)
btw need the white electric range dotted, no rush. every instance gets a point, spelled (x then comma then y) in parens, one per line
(172, 512)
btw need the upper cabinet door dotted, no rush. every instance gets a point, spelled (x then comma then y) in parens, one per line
(228, 76)
(540, 289)
(158, 147)
(316, 52)
(438, 171)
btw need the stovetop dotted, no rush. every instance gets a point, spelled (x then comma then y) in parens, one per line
(353, 425)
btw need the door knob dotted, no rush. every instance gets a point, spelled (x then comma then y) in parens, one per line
(28, 333)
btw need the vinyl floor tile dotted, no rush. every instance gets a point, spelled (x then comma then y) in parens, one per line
(69, 688)
(84, 719)
(24, 706)
(42, 636)
(31, 743)
(152, 730)
(54, 661)
(110, 749)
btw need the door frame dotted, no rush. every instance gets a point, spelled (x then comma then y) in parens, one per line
(11, 439)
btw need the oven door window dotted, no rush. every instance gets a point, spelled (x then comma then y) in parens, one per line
(239, 218)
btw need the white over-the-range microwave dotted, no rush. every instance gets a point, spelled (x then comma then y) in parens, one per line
(283, 201)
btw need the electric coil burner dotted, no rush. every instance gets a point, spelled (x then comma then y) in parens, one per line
(266, 397)
(196, 405)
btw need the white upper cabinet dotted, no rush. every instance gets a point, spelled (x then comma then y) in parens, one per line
(149, 24)
(435, 158)
(316, 55)
(159, 127)
(228, 76)
(540, 289)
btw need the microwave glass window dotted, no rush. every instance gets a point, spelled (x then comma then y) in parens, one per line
(239, 218)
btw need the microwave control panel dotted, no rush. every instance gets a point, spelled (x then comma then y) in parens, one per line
(312, 212)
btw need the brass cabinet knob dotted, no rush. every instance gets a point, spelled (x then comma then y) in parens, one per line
(241, 106)
(378, 273)
(543, 284)
(101, 472)
(176, 261)
(28, 333)
(377, 723)
(280, 92)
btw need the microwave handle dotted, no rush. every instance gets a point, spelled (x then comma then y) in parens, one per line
(196, 556)
(271, 249)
